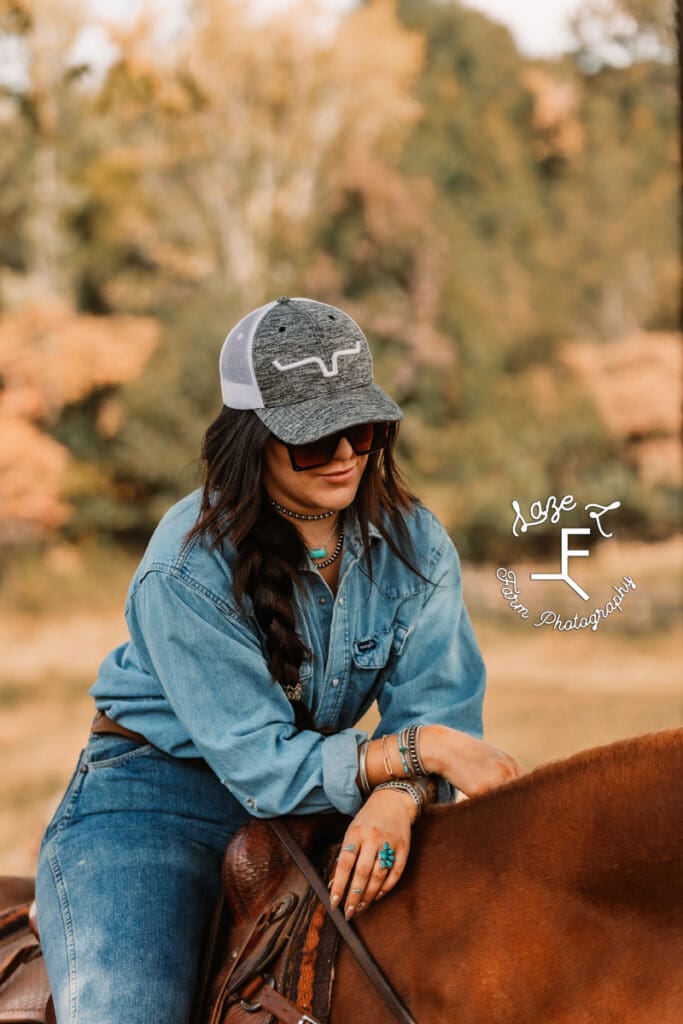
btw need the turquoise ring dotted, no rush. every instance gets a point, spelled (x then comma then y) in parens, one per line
(351, 848)
(387, 855)
(359, 891)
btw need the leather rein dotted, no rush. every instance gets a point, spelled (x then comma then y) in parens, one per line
(260, 988)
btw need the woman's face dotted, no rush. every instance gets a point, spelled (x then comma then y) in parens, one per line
(332, 486)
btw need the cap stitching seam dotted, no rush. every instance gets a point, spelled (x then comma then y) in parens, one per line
(317, 331)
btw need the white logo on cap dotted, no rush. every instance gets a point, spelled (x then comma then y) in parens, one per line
(316, 359)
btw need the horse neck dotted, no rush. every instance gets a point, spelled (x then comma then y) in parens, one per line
(574, 859)
(609, 810)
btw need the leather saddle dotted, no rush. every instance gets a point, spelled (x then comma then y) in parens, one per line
(266, 924)
(270, 924)
(24, 988)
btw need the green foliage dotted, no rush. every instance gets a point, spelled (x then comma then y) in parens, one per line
(530, 203)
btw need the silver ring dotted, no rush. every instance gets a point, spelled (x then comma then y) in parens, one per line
(351, 848)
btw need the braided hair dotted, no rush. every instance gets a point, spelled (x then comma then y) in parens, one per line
(234, 509)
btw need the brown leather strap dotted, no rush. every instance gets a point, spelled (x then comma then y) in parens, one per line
(353, 941)
(260, 993)
(29, 951)
(102, 723)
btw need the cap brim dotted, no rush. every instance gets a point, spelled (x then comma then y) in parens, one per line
(309, 420)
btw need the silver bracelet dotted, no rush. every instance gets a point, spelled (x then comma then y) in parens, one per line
(414, 751)
(409, 744)
(363, 768)
(407, 787)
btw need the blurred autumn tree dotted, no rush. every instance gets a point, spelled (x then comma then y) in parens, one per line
(58, 365)
(557, 187)
(474, 209)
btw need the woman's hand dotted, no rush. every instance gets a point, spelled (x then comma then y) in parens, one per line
(470, 765)
(386, 816)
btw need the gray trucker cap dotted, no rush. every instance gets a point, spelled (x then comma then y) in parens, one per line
(305, 369)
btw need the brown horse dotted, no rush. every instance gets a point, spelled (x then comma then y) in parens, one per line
(556, 899)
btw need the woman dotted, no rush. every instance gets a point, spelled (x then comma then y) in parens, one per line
(268, 612)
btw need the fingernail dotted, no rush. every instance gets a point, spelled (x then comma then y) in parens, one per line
(361, 906)
(330, 883)
(349, 913)
(334, 901)
(380, 894)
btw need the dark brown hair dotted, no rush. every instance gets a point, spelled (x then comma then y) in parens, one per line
(269, 549)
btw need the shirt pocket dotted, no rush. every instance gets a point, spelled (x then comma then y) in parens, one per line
(369, 655)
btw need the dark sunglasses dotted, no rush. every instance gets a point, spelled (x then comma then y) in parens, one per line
(364, 438)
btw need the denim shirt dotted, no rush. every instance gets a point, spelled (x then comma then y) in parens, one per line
(193, 677)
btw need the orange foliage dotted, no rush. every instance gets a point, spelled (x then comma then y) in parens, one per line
(31, 468)
(555, 114)
(51, 356)
(636, 385)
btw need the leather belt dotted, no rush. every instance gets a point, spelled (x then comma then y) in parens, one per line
(102, 723)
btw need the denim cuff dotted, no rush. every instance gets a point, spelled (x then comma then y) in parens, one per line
(340, 769)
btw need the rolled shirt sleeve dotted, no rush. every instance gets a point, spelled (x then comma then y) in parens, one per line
(213, 672)
(439, 677)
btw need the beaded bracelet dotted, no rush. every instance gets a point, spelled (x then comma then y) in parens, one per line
(413, 743)
(418, 753)
(363, 768)
(407, 787)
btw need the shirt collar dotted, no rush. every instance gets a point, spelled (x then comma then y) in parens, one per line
(353, 534)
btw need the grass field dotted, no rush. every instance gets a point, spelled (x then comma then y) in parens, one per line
(549, 693)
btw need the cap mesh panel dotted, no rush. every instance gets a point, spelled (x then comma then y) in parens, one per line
(236, 362)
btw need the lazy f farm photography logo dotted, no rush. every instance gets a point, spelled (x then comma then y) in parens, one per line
(573, 543)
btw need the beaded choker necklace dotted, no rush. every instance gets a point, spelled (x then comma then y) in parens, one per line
(299, 515)
(320, 552)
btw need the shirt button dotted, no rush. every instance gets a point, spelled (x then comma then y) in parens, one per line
(323, 601)
(341, 600)
(251, 802)
(335, 682)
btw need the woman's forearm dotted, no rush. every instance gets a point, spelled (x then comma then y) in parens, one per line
(469, 764)
(384, 760)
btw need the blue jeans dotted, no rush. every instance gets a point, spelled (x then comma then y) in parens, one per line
(129, 872)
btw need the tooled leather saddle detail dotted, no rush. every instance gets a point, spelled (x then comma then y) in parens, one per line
(277, 926)
(255, 864)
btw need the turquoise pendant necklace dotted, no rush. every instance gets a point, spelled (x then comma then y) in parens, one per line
(321, 552)
(335, 554)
